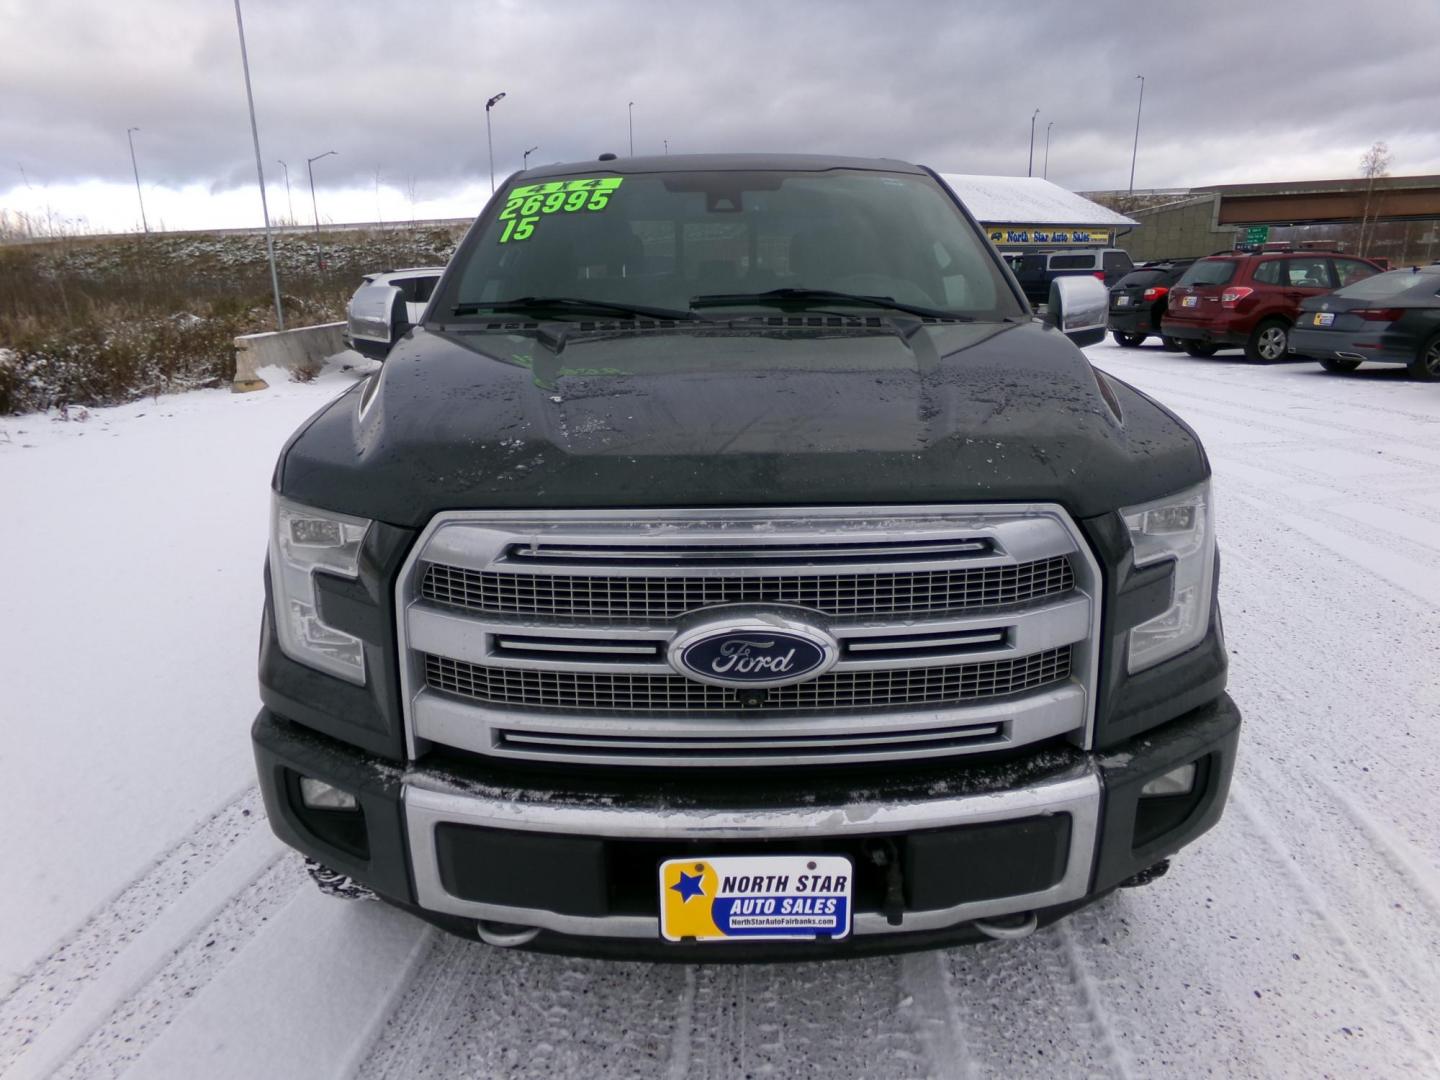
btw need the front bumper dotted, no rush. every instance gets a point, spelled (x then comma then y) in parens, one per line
(1348, 345)
(566, 862)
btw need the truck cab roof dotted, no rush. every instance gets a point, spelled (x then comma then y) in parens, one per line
(663, 163)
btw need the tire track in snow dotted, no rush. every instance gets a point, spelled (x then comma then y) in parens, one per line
(926, 977)
(473, 1010)
(47, 990)
(1169, 968)
(1402, 565)
(402, 1042)
(1378, 903)
(144, 1014)
(1407, 864)
(678, 1067)
(1308, 893)
(1086, 990)
(1365, 720)
(305, 997)
(841, 1018)
(1026, 1008)
(223, 908)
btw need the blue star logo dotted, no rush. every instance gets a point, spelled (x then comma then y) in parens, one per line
(688, 886)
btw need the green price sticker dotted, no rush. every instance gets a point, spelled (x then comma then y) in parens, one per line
(526, 205)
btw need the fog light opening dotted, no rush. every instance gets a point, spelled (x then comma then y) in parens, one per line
(318, 795)
(1179, 781)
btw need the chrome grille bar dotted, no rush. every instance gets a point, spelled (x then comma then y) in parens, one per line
(583, 647)
(900, 594)
(608, 692)
(749, 554)
(562, 746)
(957, 640)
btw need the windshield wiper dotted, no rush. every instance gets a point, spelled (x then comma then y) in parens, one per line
(577, 305)
(813, 296)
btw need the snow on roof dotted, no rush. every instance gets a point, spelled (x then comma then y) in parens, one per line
(1028, 200)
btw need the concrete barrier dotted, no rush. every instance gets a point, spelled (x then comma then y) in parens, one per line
(301, 349)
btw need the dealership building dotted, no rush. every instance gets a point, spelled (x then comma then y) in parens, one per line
(1026, 213)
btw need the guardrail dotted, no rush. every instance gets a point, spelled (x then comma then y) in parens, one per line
(402, 225)
(305, 348)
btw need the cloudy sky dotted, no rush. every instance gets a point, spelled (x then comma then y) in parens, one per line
(1261, 90)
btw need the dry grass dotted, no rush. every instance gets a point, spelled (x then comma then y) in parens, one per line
(99, 321)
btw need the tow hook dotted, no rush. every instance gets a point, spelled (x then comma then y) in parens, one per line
(887, 856)
(1149, 874)
(1008, 927)
(505, 935)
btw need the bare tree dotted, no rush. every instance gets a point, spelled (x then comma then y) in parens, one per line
(1374, 164)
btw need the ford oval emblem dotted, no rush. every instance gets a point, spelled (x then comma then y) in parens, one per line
(753, 652)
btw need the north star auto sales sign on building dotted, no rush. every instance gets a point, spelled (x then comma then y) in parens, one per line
(1046, 234)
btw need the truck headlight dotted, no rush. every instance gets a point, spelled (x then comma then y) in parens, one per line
(303, 541)
(1179, 528)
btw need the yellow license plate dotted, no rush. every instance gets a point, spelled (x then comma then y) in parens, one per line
(734, 898)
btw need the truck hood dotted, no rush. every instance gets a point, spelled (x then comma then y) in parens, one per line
(749, 413)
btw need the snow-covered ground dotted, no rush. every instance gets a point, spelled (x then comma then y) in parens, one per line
(152, 927)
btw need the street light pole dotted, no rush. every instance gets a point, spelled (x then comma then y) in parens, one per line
(632, 129)
(1136, 148)
(315, 208)
(288, 200)
(490, 142)
(525, 159)
(667, 146)
(259, 170)
(1045, 172)
(136, 169)
(1030, 169)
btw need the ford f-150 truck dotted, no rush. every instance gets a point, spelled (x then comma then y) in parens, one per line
(730, 566)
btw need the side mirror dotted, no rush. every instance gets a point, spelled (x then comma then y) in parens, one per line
(376, 318)
(1079, 306)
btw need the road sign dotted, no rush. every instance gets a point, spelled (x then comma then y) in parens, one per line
(1257, 234)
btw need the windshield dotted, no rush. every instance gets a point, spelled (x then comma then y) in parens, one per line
(1210, 272)
(663, 241)
(1142, 279)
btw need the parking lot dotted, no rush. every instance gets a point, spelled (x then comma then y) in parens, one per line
(1301, 938)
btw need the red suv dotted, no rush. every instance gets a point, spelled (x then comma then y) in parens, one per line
(1252, 300)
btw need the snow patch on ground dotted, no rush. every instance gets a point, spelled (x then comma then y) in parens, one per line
(153, 928)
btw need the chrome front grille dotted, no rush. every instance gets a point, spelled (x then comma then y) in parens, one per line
(546, 635)
(897, 594)
(841, 690)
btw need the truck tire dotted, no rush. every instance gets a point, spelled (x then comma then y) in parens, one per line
(1199, 348)
(1269, 342)
(1127, 341)
(1337, 366)
(1426, 365)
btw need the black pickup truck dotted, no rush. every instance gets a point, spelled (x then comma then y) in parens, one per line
(730, 566)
